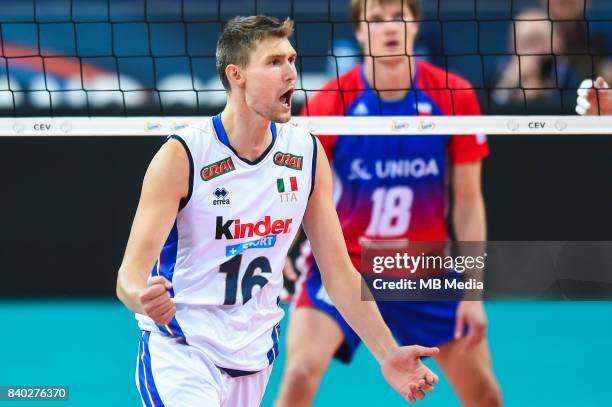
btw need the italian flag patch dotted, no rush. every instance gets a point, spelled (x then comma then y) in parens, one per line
(287, 184)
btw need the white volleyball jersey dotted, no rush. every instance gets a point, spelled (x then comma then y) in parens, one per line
(227, 249)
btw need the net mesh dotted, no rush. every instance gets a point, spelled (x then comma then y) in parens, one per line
(139, 58)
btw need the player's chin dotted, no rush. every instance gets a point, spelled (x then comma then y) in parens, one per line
(283, 116)
(391, 58)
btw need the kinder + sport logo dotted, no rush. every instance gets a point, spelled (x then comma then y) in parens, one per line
(236, 229)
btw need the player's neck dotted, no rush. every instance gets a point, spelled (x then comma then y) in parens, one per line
(248, 133)
(392, 78)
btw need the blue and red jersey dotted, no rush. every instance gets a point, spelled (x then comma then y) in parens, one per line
(395, 187)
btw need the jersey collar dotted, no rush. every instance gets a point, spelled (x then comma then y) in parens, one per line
(222, 136)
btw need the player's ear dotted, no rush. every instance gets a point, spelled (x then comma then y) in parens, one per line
(235, 75)
(414, 27)
(362, 34)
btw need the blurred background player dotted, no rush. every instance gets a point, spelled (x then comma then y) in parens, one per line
(587, 42)
(531, 79)
(374, 202)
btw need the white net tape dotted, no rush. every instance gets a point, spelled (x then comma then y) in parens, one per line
(375, 125)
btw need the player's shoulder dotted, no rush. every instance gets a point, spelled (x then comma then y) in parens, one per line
(201, 128)
(195, 139)
(293, 133)
(293, 141)
(439, 84)
(433, 77)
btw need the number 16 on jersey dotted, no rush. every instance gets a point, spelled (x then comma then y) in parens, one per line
(249, 281)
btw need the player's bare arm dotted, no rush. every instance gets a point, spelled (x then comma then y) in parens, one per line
(165, 184)
(400, 366)
(289, 270)
(469, 222)
(469, 219)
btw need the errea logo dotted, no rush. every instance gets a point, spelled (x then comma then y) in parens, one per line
(221, 196)
(216, 169)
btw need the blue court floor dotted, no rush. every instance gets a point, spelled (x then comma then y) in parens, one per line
(544, 354)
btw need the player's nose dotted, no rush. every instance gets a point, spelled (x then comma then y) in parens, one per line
(393, 26)
(291, 73)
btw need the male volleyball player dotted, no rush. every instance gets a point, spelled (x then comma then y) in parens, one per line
(594, 98)
(227, 196)
(394, 187)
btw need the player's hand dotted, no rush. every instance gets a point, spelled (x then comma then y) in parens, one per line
(290, 276)
(472, 314)
(156, 301)
(404, 371)
(289, 270)
(594, 98)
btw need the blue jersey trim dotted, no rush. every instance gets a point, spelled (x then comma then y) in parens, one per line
(273, 352)
(185, 200)
(314, 164)
(141, 376)
(220, 130)
(222, 135)
(168, 257)
(145, 371)
(164, 267)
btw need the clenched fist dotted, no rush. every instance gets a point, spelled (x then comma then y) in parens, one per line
(156, 301)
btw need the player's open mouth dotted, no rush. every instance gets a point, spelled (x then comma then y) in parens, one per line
(392, 43)
(286, 98)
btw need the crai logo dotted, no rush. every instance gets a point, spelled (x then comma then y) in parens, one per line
(288, 160)
(216, 169)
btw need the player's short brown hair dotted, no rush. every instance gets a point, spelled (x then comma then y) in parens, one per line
(358, 7)
(240, 36)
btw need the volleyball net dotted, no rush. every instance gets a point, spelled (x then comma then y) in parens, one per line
(140, 67)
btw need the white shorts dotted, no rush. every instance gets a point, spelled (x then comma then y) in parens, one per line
(171, 373)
